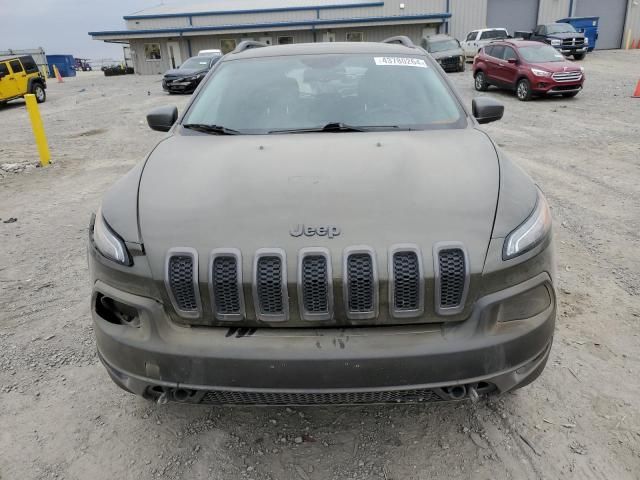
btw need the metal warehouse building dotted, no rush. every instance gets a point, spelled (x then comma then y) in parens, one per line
(164, 36)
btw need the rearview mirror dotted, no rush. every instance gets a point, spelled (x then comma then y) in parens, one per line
(162, 118)
(487, 110)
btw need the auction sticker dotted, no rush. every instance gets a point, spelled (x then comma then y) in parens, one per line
(401, 61)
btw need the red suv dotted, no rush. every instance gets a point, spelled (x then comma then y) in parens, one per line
(529, 68)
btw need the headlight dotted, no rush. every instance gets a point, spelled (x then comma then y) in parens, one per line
(556, 42)
(582, 69)
(530, 233)
(540, 73)
(108, 243)
(586, 40)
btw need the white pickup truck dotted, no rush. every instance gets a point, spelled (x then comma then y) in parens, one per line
(479, 38)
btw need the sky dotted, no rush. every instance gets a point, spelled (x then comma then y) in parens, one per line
(61, 26)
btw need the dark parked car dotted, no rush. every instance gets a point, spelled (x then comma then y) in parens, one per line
(561, 36)
(447, 52)
(528, 68)
(188, 76)
(295, 242)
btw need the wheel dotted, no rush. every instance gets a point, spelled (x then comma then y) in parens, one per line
(579, 56)
(523, 90)
(38, 91)
(462, 67)
(481, 82)
(570, 94)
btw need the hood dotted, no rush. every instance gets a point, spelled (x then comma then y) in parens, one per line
(456, 52)
(380, 189)
(562, 36)
(564, 66)
(183, 72)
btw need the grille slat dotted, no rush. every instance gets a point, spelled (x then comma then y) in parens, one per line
(219, 397)
(361, 288)
(269, 285)
(181, 275)
(567, 76)
(315, 284)
(406, 276)
(226, 285)
(452, 277)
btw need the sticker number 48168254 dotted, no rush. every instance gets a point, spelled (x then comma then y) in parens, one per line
(401, 61)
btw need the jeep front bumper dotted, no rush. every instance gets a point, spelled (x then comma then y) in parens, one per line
(154, 357)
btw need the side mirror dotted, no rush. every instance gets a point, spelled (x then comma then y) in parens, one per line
(513, 61)
(487, 110)
(162, 118)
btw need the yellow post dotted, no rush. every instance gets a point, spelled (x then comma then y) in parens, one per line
(38, 129)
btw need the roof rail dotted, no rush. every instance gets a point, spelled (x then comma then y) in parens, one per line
(401, 39)
(247, 44)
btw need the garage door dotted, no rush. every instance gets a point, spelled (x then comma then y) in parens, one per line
(612, 14)
(512, 14)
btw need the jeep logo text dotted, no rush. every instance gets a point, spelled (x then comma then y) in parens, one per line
(311, 230)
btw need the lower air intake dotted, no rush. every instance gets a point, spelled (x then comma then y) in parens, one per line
(219, 397)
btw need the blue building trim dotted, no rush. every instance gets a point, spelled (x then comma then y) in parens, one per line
(258, 26)
(259, 10)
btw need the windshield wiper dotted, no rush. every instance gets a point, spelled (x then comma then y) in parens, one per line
(329, 127)
(211, 129)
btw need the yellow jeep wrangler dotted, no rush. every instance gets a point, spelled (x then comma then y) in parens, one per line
(20, 75)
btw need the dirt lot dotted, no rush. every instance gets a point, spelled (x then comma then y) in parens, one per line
(61, 417)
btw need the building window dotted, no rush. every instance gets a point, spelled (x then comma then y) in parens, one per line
(286, 40)
(152, 51)
(227, 45)
(355, 37)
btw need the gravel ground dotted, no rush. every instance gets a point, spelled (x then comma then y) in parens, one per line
(61, 417)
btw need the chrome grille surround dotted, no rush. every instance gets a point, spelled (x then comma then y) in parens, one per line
(309, 281)
(226, 294)
(396, 282)
(266, 291)
(186, 289)
(441, 307)
(573, 76)
(367, 284)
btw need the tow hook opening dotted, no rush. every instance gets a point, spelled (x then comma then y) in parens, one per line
(116, 312)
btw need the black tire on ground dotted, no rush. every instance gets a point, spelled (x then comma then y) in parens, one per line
(523, 90)
(570, 94)
(579, 56)
(40, 93)
(462, 67)
(480, 82)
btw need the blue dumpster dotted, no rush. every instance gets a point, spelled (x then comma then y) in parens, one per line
(65, 64)
(586, 25)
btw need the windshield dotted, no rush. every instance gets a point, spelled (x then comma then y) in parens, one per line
(541, 53)
(196, 63)
(443, 46)
(264, 95)
(560, 28)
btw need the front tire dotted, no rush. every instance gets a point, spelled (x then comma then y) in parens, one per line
(523, 90)
(39, 92)
(579, 56)
(481, 81)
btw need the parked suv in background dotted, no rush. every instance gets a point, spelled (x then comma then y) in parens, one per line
(324, 223)
(447, 52)
(479, 38)
(20, 75)
(561, 36)
(529, 68)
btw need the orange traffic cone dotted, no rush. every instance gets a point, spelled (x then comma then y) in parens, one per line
(633, 45)
(636, 94)
(57, 74)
